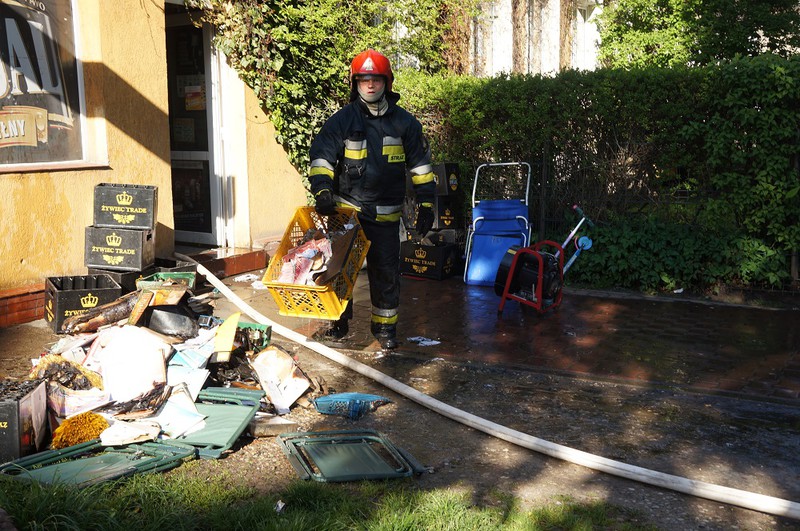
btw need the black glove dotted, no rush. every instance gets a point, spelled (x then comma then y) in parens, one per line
(424, 219)
(325, 204)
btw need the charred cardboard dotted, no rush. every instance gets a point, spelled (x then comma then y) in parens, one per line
(133, 361)
(280, 377)
(340, 248)
(65, 402)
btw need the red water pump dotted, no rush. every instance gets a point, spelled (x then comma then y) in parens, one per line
(533, 277)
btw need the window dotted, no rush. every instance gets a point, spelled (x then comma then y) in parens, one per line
(42, 122)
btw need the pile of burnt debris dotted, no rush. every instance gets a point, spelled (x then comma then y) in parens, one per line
(155, 377)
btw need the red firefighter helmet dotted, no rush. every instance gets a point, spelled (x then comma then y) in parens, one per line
(373, 63)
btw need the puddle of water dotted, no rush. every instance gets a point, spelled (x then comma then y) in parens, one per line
(719, 347)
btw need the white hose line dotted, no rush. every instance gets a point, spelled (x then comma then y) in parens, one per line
(741, 498)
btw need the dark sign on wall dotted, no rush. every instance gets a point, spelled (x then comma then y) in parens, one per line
(39, 83)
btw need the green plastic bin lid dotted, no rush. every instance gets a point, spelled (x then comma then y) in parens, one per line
(228, 412)
(91, 463)
(346, 455)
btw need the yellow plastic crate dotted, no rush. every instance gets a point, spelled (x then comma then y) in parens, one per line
(317, 302)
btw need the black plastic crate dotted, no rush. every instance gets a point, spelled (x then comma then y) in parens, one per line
(448, 178)
(429, 261)
(69, 296)
(166, 265)
(119, 249)
(23, 418)
(126, 279)
(128, 206)
(447, 212)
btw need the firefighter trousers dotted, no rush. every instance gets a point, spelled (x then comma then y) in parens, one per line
(383, 270)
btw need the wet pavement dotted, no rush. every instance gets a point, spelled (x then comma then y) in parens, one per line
(709, 347)
(696, 345)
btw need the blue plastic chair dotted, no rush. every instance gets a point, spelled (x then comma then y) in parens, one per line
(497, 225)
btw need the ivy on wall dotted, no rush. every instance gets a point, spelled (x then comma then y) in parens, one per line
(296, 54)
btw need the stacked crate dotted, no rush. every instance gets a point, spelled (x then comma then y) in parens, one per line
(119, 249)
(442, 259)
(448, 203)
(23, 418)
(121, 242)
(72, 296)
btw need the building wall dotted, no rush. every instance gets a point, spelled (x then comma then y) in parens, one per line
(502, 35)
(541, 36)
(276, 189)
(44, 214)
(587, 36)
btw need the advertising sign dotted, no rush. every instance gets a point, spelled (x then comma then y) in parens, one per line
(39, 83)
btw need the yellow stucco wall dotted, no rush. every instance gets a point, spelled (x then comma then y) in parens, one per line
(276, 189)
(44, 214)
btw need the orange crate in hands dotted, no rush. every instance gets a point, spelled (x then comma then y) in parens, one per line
(327, 301)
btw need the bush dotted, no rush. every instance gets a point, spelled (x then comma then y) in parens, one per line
(708, 157)
(653, 255)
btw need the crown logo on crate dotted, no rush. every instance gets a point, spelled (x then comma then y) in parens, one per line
(123, 219)
(124, 198)
(89, 301)
(114, 240)
(420, 253)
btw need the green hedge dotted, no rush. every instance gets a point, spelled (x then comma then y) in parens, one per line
(652, 255)
(692, 174)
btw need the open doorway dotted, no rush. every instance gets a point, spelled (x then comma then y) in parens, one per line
(197, 189)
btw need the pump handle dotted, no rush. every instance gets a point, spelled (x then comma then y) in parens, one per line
(578, 209)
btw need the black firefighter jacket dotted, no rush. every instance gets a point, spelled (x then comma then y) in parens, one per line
(363, 159)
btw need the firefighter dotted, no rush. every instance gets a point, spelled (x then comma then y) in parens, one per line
(359, 159)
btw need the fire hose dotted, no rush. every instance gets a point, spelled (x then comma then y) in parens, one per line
(710, 491)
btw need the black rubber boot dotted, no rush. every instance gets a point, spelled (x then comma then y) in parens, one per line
(335, 332)
(386, 334)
